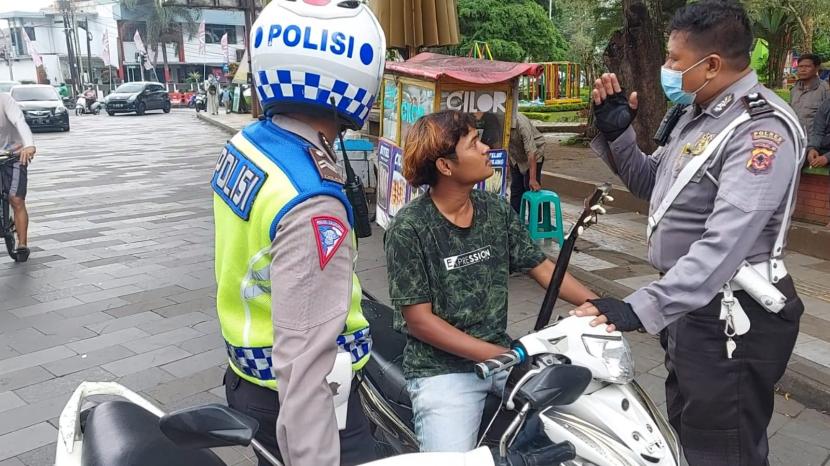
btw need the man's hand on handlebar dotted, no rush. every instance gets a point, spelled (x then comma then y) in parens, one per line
(27, 154)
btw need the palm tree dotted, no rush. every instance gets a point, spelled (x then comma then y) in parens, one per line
(166, 23)
(776, 26)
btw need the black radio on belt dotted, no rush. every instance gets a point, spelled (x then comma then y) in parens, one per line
(668, 124)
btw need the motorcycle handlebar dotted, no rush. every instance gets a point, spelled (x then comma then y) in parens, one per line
(499, 363)
(6, 155)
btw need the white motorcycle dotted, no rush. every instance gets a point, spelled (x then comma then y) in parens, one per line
(82, 108)
(570, 398)
(134, 432)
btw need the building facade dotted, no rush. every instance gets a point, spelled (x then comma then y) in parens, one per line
(52, 38)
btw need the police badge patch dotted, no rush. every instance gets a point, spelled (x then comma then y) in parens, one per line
(764, 146)
(330, 233)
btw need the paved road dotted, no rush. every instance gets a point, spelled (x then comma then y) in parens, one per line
(120, 286)
(120, 283)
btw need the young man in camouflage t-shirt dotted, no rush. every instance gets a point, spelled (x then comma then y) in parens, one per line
(449, 255)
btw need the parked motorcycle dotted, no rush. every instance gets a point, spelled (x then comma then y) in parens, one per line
(569, 384)
(132, 431)
(82, 107)
(570, 399)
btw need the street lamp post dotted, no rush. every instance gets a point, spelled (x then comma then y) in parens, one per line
(250, 12)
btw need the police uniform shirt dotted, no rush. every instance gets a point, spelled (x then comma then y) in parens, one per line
(710, 228)
(310, 303)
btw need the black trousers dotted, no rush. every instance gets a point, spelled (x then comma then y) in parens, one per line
(721, 407)
(357, 446)
(520, 184)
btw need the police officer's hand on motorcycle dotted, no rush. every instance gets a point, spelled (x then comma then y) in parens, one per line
(612, 111)
(618, 314)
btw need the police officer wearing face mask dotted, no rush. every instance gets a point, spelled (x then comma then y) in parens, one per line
(721, 191)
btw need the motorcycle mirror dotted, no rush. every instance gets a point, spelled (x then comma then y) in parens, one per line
(208, 426)
(555, 386)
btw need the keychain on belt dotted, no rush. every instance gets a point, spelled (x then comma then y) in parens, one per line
(736, 322)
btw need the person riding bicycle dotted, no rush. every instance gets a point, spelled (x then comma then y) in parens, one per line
(16, 135)
(287, 296)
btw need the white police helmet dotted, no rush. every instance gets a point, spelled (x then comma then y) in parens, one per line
(306, 52)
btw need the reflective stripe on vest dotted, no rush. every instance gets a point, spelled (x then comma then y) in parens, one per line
(262, 173)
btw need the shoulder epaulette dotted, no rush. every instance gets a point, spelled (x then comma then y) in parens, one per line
(756, 105)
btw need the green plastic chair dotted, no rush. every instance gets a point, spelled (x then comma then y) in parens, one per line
(534, 202)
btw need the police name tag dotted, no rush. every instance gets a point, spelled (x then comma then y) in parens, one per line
(237, 180)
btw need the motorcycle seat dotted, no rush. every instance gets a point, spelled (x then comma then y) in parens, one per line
(385, 365)
(120, 433)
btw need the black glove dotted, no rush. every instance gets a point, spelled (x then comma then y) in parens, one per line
(618, 312)
(613, 116)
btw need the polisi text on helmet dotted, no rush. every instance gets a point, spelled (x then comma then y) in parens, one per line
(323, 40)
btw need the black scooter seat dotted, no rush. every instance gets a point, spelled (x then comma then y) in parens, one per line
(384, 367)
(120, 433)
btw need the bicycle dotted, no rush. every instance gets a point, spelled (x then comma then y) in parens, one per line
(7, 228)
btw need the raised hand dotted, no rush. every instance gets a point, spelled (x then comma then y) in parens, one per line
(612, 110)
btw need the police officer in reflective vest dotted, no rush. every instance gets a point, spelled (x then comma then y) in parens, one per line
(721, 192)
(288, 299)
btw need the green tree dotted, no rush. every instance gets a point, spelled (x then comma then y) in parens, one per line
(810, 18)
(166, 23)
(516, 30)
(776, 26)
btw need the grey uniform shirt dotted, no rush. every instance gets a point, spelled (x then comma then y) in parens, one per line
(805, 100)
(13, 127)
(710, 229)
(309, 308)
(819, 137)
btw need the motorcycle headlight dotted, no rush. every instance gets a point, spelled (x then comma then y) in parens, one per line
(615, 354)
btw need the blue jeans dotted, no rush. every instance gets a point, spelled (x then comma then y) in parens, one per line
(447, 409)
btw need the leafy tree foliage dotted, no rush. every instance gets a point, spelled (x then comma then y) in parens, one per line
(515, 30)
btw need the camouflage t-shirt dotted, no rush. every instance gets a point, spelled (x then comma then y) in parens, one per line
(463, 272)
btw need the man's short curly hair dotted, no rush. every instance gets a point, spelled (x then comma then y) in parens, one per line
(717, 26)
(432, 137)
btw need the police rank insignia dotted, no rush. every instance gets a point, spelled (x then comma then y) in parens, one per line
(764, 146)
(723, 105)
(328, 169)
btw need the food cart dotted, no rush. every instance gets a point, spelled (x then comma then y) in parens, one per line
(429, 83)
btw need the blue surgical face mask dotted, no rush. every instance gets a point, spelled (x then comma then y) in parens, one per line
(672, 81)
